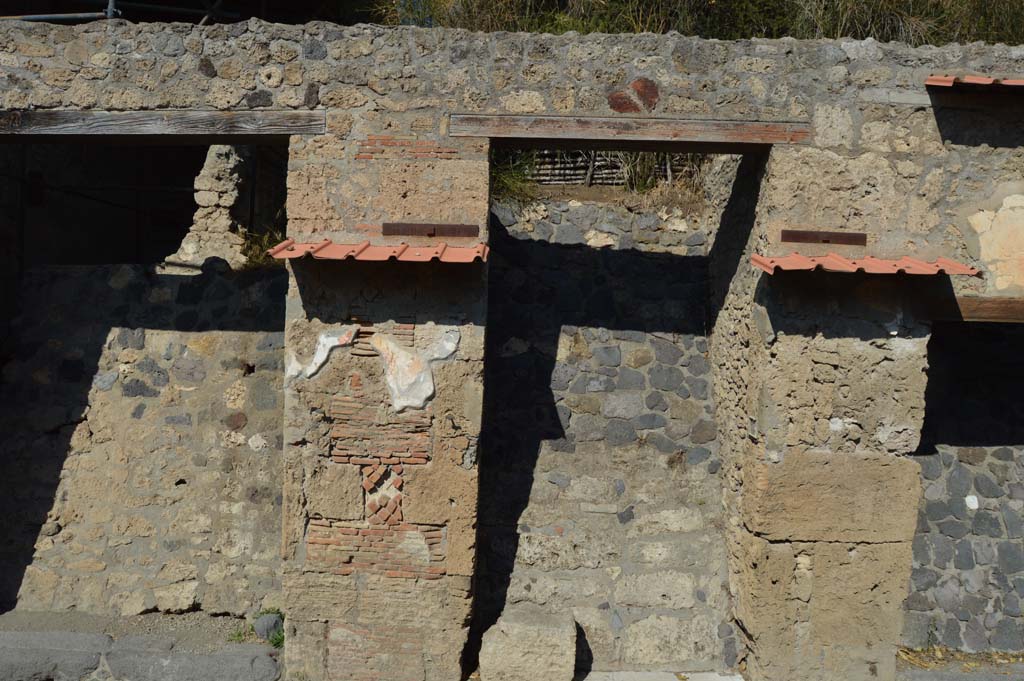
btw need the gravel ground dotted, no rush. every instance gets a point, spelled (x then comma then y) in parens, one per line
(194, 632)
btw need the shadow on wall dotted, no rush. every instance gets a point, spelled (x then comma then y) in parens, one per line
(976, 117)
(539, 291)
(856, 306)
(973, 394)
(64, 324)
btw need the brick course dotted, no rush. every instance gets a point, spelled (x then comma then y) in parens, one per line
(401, 551)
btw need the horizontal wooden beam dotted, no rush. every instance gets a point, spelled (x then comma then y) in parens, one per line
(987, 309)
(166, 122)
(630, 130)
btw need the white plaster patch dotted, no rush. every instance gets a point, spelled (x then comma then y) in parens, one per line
(325, 345)
(971, 501)
(1001, 241)
(444, 347)
(257, 443)
(292, 366)
(407, 374)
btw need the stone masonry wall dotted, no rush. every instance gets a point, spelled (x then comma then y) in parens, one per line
(141, 433)
(876, 129)
(600, 491)
(968, 575)
(383, 393)
(922, 174)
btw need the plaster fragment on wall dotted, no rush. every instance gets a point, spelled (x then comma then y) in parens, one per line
(407, 374)
(325, 345)
(445, 346)
(1001, 238)
(292, 366)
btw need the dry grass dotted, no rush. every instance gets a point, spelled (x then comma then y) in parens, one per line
(256, 245)
(937, 657)
(912, 21)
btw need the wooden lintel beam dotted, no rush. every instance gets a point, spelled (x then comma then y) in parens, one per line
(986, 309)
(164, 122)
(630, 130)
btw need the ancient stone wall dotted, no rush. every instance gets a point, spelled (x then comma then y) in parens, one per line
(879, 137)
(809, 372)
(968, 575)
(600, 493)
(383, 393)
(141, 430)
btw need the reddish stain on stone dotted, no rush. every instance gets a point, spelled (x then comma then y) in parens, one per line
(621, 102)
(236, 421)
(646, 91)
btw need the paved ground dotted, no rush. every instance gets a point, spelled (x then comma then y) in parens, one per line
(660, 676)
(953, 672)
(73, 646)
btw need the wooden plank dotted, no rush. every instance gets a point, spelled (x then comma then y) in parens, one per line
(807, 236)
(429, 229)
(990, 309)
(167, 122)
(635, 130)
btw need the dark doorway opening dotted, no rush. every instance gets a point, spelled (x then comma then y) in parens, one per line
(87, 310)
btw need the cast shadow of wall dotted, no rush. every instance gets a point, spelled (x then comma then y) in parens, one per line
(539, 291)
(975, 117)
(51, 358)
(853, 305)
(973, 393)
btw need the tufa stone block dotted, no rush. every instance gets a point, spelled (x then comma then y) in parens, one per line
(527, 644)
(818, 496)
(335, 491)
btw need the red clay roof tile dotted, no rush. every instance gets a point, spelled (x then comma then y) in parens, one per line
(868, 264)
(328, 250)
(973, 81)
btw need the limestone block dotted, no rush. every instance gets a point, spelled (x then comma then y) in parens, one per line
(667, 589)
(305, 654)
(317, 596)
(819, 496)
(1000, 241)
(668, 643)
(821, 610)
(334, 491)
(180, 597)
(527, 644)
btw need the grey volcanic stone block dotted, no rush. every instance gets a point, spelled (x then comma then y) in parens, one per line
(45, 655)
(529, 644)
(267, 625)
(244, 662)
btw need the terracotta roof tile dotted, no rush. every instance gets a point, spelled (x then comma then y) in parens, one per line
(328, 250)
(974, 81)
(868, 264)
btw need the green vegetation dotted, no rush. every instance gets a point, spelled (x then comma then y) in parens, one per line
(241, 634)
(511, 175)
(277, 639)
(914, 21)
(255, 246)
(270, 611)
